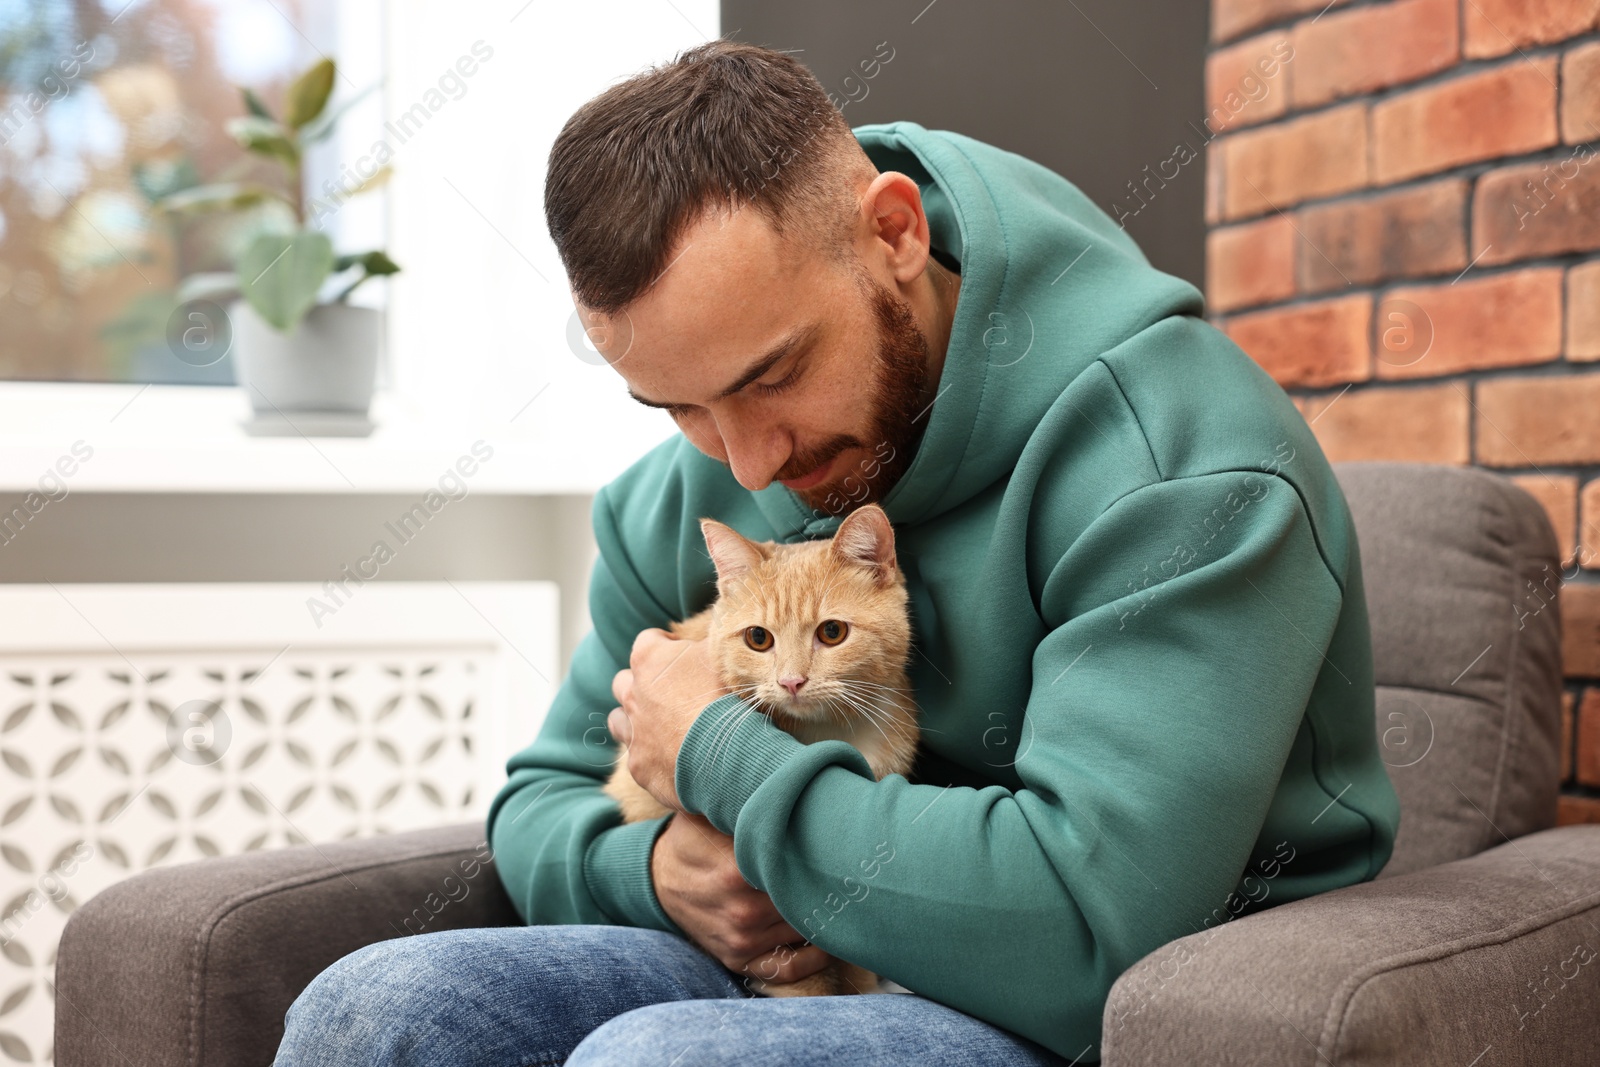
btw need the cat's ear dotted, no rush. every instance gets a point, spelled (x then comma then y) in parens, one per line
(731, 553)
(866, 539)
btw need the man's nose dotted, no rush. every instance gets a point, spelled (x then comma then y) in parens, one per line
(755, 452)
(793, 684)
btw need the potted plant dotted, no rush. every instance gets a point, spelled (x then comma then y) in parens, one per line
(300, 348)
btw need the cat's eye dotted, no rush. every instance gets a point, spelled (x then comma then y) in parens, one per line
(832, 631)
(757, 638)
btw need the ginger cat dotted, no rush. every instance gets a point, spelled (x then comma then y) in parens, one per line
(816, 635)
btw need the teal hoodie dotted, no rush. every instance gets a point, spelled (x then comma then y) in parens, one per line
(1142, 653)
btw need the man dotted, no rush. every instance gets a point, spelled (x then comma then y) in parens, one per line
(1142, 653)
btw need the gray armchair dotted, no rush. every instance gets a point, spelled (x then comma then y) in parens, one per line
(1472, 947)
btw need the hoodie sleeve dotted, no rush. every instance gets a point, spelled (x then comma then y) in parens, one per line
(1155, 734)
(560, 846)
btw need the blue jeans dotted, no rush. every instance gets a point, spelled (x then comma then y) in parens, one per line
(536, 996)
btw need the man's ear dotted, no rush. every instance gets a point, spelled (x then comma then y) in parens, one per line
(731, 553)
(866, 539)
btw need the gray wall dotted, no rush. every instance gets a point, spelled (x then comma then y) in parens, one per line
(1096, 90)
(257, 537)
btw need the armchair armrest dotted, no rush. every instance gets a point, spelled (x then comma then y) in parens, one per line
(1499, 950)
(196, 964)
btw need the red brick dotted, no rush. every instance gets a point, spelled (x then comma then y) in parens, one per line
(1558, 495)
(1501, 112)
(1588, 548)
(1417, 231)
(1248, 82)
(1580, 637)
(1539, 209)
(1577, 811)
(1503, 320)
(1568, 728)
(1250, 264)
(1580, 94)
(1324, 343)
(1588, 738)
(1583, 311)
(1425, 425)
(1230, 18)
(1495, 27)
(1525, 422)
(1354, 52)
(1321, 155)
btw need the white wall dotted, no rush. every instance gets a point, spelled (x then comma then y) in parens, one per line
(479, 317)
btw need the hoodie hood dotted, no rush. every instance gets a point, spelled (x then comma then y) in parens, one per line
(1048, 283)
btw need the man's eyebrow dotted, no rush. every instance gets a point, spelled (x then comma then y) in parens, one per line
(802, 336)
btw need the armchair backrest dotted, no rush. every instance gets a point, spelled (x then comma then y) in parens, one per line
(1461, 575)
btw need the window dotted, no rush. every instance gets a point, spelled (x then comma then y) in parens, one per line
(104, 108)
(479, 339)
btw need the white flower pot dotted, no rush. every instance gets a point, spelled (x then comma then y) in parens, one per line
(327, 364)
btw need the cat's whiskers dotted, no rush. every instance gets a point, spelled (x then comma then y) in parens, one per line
(751, 694)
(746, 691)
(725, 732)
(874, 685)
(727, 735)
(867, 709)
(872, 690)
(906, 704)
(865, 714)
(880, 715)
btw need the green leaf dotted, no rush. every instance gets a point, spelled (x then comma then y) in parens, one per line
(224, 196)
(373, 264)
(323, 126)
(280, 275)
(264, 137)
(378, 263)
(309, 93)
(253, 104)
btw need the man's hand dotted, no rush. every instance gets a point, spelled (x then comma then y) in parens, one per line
(699, 885)
(668, 682)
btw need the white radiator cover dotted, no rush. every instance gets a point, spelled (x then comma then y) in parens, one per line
(147, 725)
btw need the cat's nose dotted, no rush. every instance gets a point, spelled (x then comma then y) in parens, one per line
(792, 685)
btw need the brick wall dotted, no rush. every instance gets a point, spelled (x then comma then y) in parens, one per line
(1403, 202)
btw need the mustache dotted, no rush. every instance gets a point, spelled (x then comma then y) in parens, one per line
(809, 461)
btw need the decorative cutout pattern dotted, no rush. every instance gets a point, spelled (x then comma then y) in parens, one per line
(113, 764)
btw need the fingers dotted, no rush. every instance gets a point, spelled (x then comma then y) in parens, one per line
(621, 729)
(644, 642)
(621, 686)
(787, 963)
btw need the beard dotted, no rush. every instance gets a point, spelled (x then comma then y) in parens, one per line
(899, 413)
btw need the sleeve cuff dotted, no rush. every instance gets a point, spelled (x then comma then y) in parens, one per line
(730, 749)
(616, 868)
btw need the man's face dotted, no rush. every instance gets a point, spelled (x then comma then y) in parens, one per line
(778, 363)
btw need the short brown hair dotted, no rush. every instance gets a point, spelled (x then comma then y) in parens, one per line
(724, 124)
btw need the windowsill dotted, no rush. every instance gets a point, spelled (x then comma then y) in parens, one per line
(190, 439)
